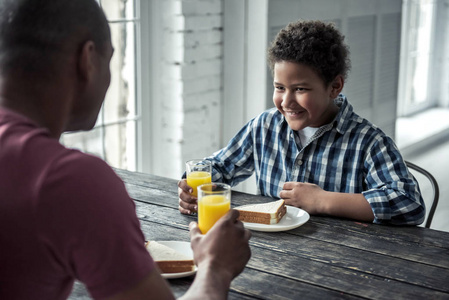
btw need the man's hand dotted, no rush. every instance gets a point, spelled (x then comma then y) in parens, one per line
(187, 203)
(224, 248)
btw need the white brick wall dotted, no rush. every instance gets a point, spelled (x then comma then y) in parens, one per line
(191, 79)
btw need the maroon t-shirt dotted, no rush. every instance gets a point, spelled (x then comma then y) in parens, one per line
(64, 215)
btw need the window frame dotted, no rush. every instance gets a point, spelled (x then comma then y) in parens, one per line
(148, 68)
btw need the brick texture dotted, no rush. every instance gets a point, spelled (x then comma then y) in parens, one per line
(191, 81)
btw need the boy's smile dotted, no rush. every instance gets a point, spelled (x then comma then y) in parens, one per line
(302, 97)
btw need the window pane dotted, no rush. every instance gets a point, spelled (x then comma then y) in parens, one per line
(120, 99)
(419, 28)
(114, 135)
(118, 9)
(120, 145)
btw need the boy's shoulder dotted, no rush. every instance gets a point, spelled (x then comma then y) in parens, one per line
(348, 121)
(270, 115)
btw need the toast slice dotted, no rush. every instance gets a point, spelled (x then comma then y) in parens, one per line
(263, 213)
(169, 260)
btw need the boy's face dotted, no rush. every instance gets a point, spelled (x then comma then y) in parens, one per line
(301, 96)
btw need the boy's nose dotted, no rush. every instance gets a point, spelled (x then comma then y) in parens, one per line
(288, 98)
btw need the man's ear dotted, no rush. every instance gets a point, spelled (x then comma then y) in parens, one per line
(86, 61)
(337, 85)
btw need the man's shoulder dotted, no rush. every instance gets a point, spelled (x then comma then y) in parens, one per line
(84, 170)
(76, 160)
(82, 185)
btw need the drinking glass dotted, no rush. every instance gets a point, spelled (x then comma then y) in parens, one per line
(214, 201)
(198, 172)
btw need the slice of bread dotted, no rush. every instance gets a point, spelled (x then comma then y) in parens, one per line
(169, 260)
(264, 213)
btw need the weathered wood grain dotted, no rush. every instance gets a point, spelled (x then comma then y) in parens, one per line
(409, 233)
(298, 250)
(380, 239)
(326, 258)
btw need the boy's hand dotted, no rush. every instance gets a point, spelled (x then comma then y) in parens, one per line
(187, 203)
(306, 196)
(224, 248)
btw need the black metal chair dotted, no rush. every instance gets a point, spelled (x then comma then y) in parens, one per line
(436, 190)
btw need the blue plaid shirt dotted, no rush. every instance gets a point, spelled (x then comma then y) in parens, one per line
(348, 155)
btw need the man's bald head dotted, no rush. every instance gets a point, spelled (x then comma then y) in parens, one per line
(36, 36)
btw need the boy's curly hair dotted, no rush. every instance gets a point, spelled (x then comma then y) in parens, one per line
(316, 44)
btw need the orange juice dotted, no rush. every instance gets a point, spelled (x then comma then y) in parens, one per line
(197, 178)
(210, 209)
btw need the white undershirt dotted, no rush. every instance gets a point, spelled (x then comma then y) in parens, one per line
(306, 133)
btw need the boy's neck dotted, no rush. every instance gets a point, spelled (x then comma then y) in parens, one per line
(329, 115)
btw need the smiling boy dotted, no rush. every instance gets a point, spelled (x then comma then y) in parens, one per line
(312, 150)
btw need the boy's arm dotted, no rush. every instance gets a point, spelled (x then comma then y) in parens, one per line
(235, 162)
(391, 190)
(391, 194)
(353, 206)
(230, 165)
(315, 200)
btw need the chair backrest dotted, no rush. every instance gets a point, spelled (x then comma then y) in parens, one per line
(435, 188)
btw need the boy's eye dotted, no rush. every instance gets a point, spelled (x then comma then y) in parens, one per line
(300, 89)
(280, 88)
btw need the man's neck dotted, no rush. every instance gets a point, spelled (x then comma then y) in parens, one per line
(36, 103)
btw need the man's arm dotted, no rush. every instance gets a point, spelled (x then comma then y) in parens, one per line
(153, 286)
(221, 255)
(208, 284)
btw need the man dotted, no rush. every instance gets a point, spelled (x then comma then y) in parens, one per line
(65, 215)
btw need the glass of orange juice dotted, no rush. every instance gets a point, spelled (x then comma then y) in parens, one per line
(214, 201)
(198, 172)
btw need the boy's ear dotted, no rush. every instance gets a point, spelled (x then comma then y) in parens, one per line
(337, 85)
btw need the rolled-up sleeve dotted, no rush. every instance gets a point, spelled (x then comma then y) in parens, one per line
(392, 191)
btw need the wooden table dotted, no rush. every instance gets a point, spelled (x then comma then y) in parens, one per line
(322, 259)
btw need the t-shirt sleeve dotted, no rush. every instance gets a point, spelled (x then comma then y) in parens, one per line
(90, 227)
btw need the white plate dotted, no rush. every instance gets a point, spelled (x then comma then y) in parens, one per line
(184, 248)
(294, 217)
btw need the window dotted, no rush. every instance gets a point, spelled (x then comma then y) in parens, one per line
(417, 55)
(423, 101)
(114, 137)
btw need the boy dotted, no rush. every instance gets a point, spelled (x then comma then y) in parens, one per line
(313, 150)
